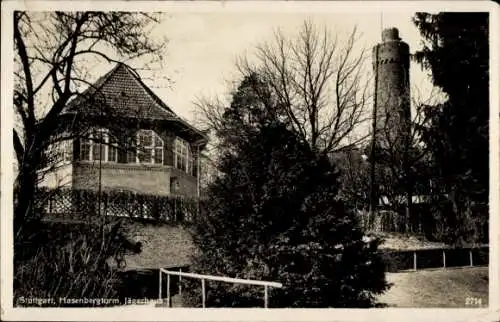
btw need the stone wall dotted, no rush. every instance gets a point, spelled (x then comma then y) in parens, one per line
(162, 245)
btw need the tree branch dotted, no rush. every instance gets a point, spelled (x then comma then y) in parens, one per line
(23, 55)
(18, 147)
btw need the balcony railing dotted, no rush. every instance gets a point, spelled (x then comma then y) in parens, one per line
(74, 204)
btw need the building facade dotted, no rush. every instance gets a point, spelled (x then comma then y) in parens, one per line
(123, 137)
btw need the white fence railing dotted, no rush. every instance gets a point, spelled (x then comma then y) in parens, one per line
(203, 278)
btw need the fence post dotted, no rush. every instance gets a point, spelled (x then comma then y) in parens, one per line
(168, 290)
(104, 204)
(444, 259)
(196, 213)
(414, 260)
(159, 286)
(470, 257)
(203, 292)
(265, 296)
(175, 210)
(180, 282)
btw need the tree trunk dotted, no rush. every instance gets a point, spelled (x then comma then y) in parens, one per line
(25, 225)
(25, 215)
(408, 210)
(456, 220)
(24, 203)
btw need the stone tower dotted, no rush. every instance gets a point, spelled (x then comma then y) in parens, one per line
(391, 62)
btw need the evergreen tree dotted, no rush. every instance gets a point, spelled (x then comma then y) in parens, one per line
(456, 52)
(274, 214)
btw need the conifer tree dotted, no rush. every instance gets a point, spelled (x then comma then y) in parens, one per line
(274, 214)
(456, 52)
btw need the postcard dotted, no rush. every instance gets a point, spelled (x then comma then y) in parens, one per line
(249, 161)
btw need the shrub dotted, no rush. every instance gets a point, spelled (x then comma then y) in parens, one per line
(70, 260)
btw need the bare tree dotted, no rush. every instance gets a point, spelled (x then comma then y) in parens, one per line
(53, 51)
(354, 177)
(318, 84)
(401, 157)
(400, 162)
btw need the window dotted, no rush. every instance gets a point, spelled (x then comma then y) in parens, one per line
(99, 145)
(149, 148)
(85, 148)
(112, 149)
(183, 159)
(131, 157)
(67, 150)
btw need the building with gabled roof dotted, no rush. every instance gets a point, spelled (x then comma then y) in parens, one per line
(120, 136)
(127, 138)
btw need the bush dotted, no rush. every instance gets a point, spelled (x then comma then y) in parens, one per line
(462, 225)
(69, 260)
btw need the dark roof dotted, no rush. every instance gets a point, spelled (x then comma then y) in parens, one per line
(121, 92)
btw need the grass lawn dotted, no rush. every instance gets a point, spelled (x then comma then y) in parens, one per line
(438, 288)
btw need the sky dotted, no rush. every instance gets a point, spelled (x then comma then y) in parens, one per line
(203, 47)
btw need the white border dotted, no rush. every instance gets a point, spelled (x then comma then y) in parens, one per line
(145, 314)
(494, 272)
